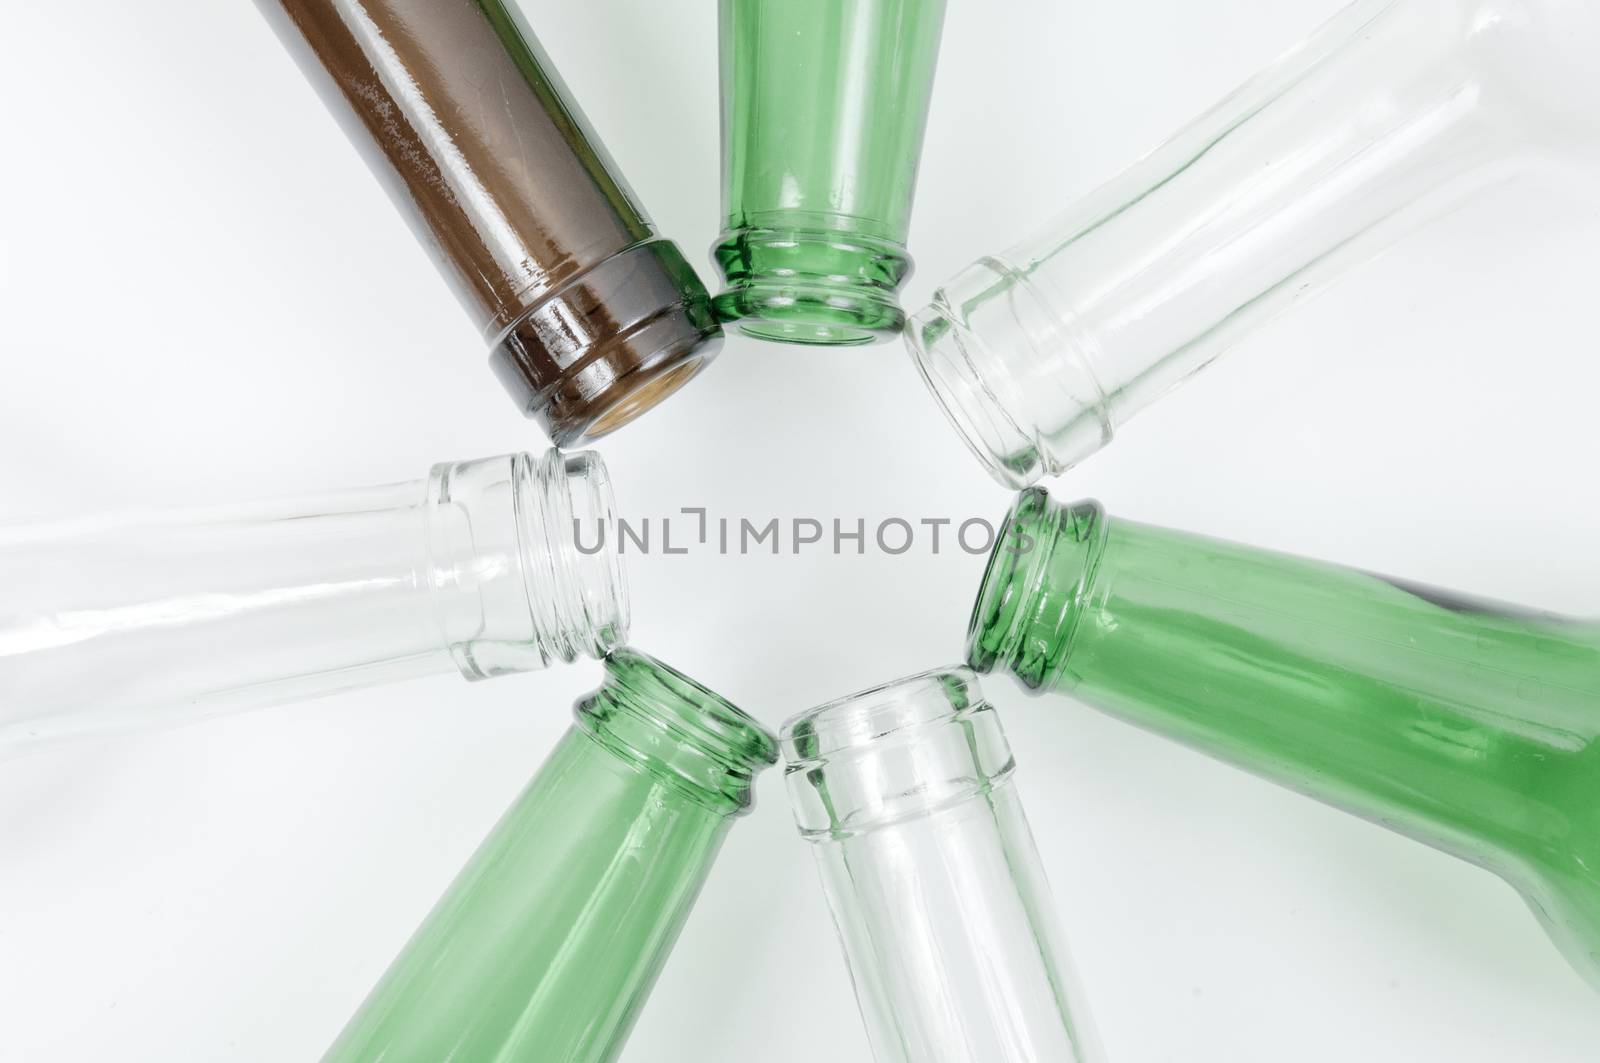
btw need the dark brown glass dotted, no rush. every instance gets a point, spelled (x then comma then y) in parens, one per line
(590, 316)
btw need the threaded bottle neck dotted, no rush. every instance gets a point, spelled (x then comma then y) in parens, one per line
(899, 751)
(1039, 582)
(691, 738)
(523, 561)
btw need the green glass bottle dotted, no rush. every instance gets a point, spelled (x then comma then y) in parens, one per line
(823, 108)
(1472, 726)
(547, 943)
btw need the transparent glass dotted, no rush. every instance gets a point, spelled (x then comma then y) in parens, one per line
(590, 317)
(936, 889)
(546, 945)
(1393, 113)
(1470, 725)
(823, 109)
(488, 567)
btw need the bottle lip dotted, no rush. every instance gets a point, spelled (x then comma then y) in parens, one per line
(906, 750)
(1007, 575)
(883, 713)
(680, 730)
(819, 280)
(947, 355)
(1018, 619)
(572, 494)
(609, 343)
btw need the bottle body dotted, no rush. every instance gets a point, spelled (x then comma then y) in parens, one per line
(548, 942)
(120, 622)
(590, 317)
(1471, 726)
(823, 110)
(1393, 113)
(932, 876)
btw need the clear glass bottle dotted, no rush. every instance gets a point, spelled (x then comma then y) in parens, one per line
(590, 317)
(936, 889)
(1472, 726)
(1391, 114)
(823, 109)
(548, 942)
(488, 567)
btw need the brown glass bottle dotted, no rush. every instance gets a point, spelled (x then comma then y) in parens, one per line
(591, 317)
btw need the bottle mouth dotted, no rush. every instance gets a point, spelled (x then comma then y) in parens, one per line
(878, 714)
(947, 355)
(905, 749)
(1014, 375)
(523, 561)
(609, 344)
(575, 580)
(822, 287)
(681, 731)
(1035, 587)
(646, 393)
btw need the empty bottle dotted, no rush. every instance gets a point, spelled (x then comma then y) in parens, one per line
(931, 873)
(1470, 725)
(547, 943)
(590, 317)
(823, 109)
(1392, 114)
(487, 567)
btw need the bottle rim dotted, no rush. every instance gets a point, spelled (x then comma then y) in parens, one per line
(905, 750)
(886, 712)
(683, 732)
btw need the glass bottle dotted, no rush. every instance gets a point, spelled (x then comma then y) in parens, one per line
(1393, 113)
(590, 317)
(823, 109)
(1470, 725)
(547, 943)
(936, 889)
(487, 567)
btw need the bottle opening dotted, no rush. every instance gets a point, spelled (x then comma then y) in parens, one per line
(645, 396)
(684, 733)
(609, 344)
(523, 561)
(572, 540)
(1034, 587)
(907, 748)
(812, 287)
(1011, 373)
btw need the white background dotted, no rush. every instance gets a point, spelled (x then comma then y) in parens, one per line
(204, 297)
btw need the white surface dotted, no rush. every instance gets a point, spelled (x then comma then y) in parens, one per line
(204, 296)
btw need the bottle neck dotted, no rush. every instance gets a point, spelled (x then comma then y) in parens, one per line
(665, 723)
(1389, 116)
(522, 561)
(897, 752)
(1459, 722)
